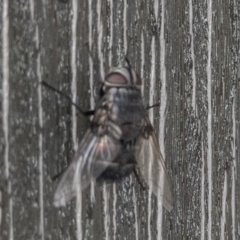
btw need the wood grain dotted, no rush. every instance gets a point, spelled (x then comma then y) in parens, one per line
(187, 53)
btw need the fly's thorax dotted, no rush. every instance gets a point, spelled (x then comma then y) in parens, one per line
(127, 109)
(124, 102)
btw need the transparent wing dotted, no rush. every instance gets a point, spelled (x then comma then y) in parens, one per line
(92, 149)
(152, 167)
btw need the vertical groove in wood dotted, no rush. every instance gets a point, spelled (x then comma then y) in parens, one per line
(74, 117)
(151, 102)
(90, 42)
(114, 217)
(223, 217)
(125, 27)
(163, 103)
(209, 121)
(106, 210)
(5, 114)
(40, 122)
(100, 38)
(40, 138)
(74, 70)
(203, 217)
(234, 165)
(192, 55)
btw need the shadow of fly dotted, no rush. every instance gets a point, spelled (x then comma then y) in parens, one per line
(120, 139)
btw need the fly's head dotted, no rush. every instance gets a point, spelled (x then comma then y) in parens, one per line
(122, 77)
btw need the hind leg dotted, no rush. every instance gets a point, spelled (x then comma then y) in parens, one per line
(115, 171)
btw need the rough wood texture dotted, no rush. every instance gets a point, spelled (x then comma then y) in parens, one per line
(187, 53)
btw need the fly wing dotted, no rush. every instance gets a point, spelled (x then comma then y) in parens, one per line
(94, 148)
(152, 166)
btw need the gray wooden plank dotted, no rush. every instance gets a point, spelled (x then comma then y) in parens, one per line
(187, 55)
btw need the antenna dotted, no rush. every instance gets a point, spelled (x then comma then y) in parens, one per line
(129, 68)
(128, 62)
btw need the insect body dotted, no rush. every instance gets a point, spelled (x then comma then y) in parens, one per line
(120, 138)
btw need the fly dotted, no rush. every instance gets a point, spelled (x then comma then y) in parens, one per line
(119, 140)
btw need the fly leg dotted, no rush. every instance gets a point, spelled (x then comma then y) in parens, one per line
(154, 105)
(55, 177)
(114, 170)
(140, 181)
(85, 113)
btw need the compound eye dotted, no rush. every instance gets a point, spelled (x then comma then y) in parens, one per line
(116, 79)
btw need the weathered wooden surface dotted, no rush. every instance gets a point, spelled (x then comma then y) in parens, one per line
(187, 53)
